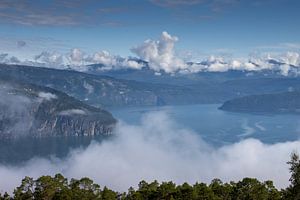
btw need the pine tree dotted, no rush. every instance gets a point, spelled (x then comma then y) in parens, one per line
(293, 191)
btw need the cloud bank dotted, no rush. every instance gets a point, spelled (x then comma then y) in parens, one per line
(78, 60)
(160, 56)
(158, 149)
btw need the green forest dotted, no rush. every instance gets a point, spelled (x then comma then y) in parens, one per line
(59, 187)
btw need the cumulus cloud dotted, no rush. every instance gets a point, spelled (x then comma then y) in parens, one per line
(76, 57)
(78, 60)
(160, 53)
(104, 57)
(160, 56)
(158, 149)
(49, 59)
(112, 62)
(287, 63)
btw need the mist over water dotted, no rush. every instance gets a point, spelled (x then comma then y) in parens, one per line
(159, 148)
(218, 127)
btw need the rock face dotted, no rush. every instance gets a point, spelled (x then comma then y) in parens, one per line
(30, 110)
(286, 102)
(76, 125)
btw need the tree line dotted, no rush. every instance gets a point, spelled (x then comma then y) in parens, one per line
(59, 188)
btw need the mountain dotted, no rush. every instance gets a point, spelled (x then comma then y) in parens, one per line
(276, 69)
(105, 91)
(286, 102)
(36, 111)
(150, 76)
(96, 90)
(144, 88)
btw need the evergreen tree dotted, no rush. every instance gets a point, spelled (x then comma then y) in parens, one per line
(293, 191)
(25, 190)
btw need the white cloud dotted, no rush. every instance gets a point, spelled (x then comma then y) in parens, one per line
(132, 64)
(284, 69)
(104, 58)
(76, 57)
(236, 64)
(161, 57)
(112, 62)
(160, 53)
(50, 59)
(158, 149)
(283, 63)
(78, 60)
(216, 64)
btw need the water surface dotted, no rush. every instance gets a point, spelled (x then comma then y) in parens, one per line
(215, 126)
(220, 127)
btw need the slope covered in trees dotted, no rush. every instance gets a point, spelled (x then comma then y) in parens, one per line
(58, 187)
(285, 102)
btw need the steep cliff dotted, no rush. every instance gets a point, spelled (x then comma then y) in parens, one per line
(30, 110)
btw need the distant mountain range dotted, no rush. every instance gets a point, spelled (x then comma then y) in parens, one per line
(148, 75)
(36, 111)
(101, 91)
(130, 87)
(260, 66)
(144, 88)
(286, 102)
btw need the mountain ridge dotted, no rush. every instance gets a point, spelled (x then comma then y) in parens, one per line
(36, 111)
(285, 102)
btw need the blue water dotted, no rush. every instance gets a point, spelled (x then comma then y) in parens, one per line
(215, 126)
(220, 127)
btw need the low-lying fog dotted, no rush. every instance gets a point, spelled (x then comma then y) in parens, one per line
(157, 149)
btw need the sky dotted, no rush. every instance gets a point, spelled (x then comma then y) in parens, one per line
(229, 27)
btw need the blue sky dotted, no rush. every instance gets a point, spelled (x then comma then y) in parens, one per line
(233, 27)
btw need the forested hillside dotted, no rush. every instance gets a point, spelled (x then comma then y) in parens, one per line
(285, 102)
